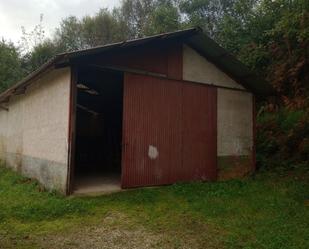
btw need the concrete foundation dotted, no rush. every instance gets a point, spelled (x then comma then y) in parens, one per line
(230, 167)
(97, 184)
(51, 174)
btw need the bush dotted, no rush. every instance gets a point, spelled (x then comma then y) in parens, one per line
(283, 139)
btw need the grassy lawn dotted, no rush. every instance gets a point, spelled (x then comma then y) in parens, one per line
(264, 211)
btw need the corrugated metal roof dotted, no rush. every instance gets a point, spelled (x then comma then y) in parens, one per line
(193, 37)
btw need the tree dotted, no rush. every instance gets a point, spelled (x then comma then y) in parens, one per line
(272, 39)
(208, 14)
(164, 18)
(103, 28)
(33, 38)
(68, 36)
(39, 55)
(10, 66)
(135, 13)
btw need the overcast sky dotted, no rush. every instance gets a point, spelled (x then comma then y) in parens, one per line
(17, 13)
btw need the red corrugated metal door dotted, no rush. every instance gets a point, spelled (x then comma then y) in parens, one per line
(199, 133)
(151, 130)
(168, 131)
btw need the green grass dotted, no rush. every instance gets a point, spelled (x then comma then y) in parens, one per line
(265, 211)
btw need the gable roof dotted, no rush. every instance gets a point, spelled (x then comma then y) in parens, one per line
(194, 37)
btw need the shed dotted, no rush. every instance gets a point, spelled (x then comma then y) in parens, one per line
(174, 107)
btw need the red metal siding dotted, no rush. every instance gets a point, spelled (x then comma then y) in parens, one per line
(199, 132)
(152, 117)
(168, 115)
(152, 59)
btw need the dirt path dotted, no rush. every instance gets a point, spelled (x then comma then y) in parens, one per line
(114, 233)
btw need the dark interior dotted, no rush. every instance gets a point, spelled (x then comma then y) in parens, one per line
(98, 124)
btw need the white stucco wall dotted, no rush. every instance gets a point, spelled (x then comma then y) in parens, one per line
(3, 132)
(235, 123)
(46, 116)
(36, 133)
(197, 68)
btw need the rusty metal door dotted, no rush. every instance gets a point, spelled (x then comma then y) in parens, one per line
(168, 131)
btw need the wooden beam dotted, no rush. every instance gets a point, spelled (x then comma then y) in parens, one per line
(127, 70)
(87, 109)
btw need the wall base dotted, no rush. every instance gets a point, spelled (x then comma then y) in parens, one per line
(231, 167)
(52, 175)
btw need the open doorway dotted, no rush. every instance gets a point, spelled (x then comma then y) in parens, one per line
(98, 131)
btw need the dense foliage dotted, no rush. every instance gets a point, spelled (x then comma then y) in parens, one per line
(270, 36)
(283, 139)
(10, 65)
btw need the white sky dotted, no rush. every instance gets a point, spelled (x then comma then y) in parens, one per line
(17, 13)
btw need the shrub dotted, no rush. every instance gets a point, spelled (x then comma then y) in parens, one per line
(283, 138)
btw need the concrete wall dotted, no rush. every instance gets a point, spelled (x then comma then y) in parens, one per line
(235, 130)
(197, 69)
(36, 130)
(3, 132)
(235, 110)
(235, 133)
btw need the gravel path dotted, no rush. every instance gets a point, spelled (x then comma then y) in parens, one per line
(113, 233)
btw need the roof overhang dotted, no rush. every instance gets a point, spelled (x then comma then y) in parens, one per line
(194, 37)
(230, 65)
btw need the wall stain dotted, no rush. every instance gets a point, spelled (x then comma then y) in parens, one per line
(18, 160)
(231, 167)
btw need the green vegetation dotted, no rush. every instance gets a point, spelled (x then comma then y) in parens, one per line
(283, 139)
(10, 66)
(265, 211)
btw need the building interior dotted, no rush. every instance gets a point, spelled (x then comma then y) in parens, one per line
(98, 141)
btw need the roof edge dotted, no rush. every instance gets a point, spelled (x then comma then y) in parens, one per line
(68, 55)
(229, 64)
(194, 37)
(23, 83)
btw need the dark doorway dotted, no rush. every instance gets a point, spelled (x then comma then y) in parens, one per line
(99, 108)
